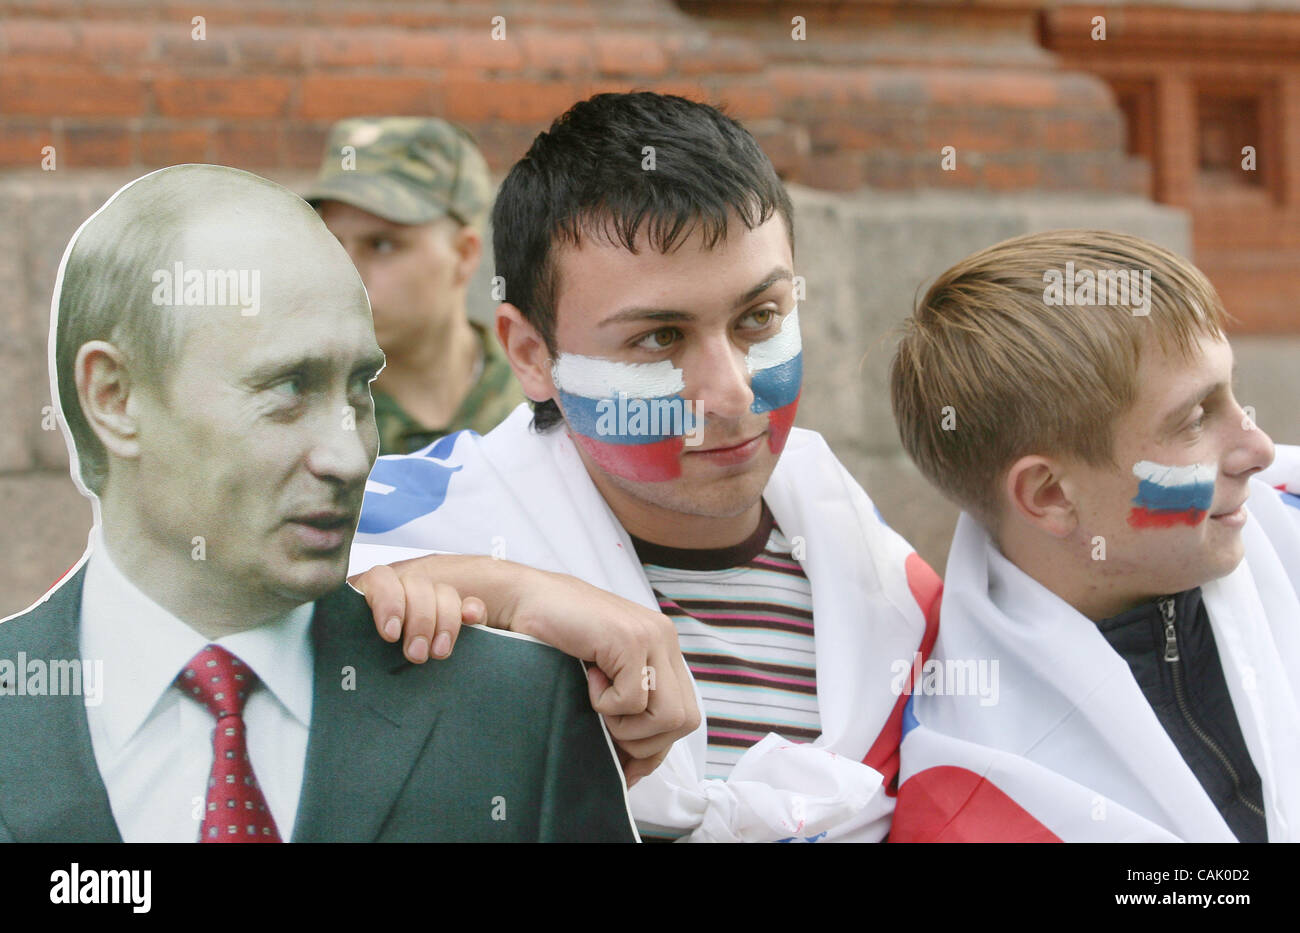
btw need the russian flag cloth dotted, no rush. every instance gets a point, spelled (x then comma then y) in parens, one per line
(527, 497)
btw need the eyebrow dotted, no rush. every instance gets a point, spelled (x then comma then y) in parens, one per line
(272, 369)
(643, 313)
(1176, 416)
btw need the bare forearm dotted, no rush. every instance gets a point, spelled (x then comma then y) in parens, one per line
(429, 597)
(638, 679)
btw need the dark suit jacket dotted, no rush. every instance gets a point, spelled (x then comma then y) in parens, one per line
(429, 752)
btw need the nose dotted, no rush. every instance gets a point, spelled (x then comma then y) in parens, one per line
(718, 378)
(342, 446)
(1252, 450)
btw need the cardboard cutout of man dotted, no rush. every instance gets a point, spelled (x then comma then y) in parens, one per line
(211, 351)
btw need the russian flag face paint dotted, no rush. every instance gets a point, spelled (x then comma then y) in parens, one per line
(629, 417)
(1171, 495)
(776, 371)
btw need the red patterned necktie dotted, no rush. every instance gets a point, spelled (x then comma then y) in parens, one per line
(236, 810)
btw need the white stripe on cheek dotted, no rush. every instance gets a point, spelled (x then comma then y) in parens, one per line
(782, 346)
(1163, 475)
(592, 377)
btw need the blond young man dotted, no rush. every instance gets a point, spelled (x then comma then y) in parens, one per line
(1120, 576)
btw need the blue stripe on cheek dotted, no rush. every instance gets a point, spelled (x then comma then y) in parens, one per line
(1159, 498)
(627, 421)
(777, 386)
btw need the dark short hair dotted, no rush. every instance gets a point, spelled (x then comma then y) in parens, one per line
(584, 176)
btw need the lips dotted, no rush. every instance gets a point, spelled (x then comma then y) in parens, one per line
(1238, 512)
(1232, 518)
(1226, 512)
(730, 455)
(326, 520)
(733, 445)
(324, 530)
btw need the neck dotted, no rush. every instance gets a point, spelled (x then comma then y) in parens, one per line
(430, 378)
(673, 529)
(1066, 568)
(187, 588)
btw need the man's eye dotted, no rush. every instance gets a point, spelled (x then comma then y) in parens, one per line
(661, 339)
(383, 245)
(361, 386)
(290, 388)
(760, 318)
(1198, 423)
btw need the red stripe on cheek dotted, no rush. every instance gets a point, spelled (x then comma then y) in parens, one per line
(779, 422)
(1148, 518)
(640, 463)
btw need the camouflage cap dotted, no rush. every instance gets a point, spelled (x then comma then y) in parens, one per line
(410, 170)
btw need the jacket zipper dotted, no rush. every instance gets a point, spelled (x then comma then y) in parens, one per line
(1176, 668)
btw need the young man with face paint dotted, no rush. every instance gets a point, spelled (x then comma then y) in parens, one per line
(651, 315)
(1134, 582)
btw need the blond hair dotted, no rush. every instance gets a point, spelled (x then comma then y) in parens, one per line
(989, 369)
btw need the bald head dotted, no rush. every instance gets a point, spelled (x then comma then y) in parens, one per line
(185, 247)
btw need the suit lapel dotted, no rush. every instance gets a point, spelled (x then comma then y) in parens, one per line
(367, 727)
(50, 786)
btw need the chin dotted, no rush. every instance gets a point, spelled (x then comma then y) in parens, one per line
(699, 491)
(306, 581)
(1199, 573)
(716, 500)
(1229, 560)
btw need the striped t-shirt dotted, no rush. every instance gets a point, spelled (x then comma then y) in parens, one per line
(745, 624)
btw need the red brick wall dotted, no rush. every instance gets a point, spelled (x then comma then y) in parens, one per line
(1198, 86)
(869, 98)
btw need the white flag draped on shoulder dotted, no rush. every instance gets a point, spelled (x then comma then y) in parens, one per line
(527, 497)
(1072, 750)
(1284, 476)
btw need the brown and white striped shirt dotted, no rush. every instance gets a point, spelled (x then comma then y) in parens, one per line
(744, 620)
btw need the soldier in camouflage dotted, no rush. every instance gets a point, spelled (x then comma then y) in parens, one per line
(408, 198)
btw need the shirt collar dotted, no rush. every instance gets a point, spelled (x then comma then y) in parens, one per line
(144, 646)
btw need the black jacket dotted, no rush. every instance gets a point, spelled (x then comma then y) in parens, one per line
(1169, 646)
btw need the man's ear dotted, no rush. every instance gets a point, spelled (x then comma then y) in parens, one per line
(1039, 494)
(108, 397)
(529, 357)
(468, 246)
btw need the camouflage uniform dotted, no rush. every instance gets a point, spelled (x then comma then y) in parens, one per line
(495, 395)
(414, 170)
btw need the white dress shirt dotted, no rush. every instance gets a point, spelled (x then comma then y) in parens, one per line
(153, 744)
